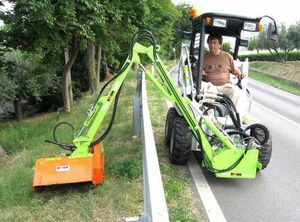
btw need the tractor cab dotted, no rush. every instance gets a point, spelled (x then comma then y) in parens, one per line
(229, 26)
(235, 29)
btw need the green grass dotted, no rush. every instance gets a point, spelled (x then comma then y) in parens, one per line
(287, 70)
(121, 195)
(280, 84)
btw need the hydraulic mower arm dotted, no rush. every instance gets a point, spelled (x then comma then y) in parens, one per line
(226, 161)
(166, 86)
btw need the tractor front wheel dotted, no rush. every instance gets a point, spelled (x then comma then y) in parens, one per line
(262, 134)
(181, 142)
(265, 153)
(172, 114)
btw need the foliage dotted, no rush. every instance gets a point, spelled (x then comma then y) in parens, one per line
(27, 76)
(293, 34)
(226, 47)
(181, 24)
(127, 169)
(48, 28)
(292, 56)
(275, 82)
(288, 40)
(7, 90)
(125, 18)
(253, 45)
(52, 27)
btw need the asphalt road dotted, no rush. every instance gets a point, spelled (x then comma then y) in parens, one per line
(275, 194)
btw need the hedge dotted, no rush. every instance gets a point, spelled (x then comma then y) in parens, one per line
(292, 56)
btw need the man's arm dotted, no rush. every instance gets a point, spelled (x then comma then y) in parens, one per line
(235, 71)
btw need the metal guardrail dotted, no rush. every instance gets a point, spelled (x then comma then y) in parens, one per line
(155, 207)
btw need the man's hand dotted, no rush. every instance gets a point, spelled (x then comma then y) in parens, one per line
(238, 74)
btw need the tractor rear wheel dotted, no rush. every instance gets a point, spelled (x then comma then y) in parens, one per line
(181, 142)
(172, 114)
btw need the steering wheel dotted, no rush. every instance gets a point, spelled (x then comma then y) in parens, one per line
(239, 83)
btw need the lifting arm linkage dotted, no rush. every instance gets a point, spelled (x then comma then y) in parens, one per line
(166, 87)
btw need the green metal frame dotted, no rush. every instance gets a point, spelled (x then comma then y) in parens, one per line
(221, 158)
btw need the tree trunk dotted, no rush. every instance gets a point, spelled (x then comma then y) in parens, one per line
(69, 77)
(91, 67)
(278, 55)
(98, 66)
(2, 152)
(286, 52)
(66, 96)
(276, 58)
(134, 67)
(18, 109)
(106, 72)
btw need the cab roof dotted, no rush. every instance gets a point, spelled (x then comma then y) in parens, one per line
(234, 24)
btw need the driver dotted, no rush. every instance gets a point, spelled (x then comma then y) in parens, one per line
(218, 64)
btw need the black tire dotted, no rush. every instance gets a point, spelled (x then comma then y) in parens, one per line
(172, 114)
(262, 134)
(181, 142)
(265, 153)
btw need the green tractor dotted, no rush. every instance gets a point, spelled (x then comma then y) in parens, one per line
(229, 114)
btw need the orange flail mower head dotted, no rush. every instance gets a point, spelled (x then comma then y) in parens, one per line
(66, 170)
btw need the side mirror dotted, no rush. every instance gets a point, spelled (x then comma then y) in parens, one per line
(186, 35)
(272, 32)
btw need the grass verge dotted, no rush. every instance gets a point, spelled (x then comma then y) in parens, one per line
(176, 179)
(280, 84)
(122, 192)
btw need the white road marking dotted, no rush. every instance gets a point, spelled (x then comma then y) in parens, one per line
(211, 206)
(277, 114)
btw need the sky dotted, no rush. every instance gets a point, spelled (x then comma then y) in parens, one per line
(286, 11)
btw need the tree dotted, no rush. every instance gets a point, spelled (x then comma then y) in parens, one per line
(7, 90)
(285, 43)
(25, 77)
(182, 23)
(288, 40)
(253, 44)
(124, 18)
(54, 27)
(293, 34)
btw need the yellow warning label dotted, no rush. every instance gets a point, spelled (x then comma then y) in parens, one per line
(53, 158)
